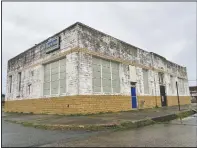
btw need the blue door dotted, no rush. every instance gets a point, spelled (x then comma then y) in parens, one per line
(133, 97)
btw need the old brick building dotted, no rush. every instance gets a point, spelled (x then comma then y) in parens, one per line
(82, 70)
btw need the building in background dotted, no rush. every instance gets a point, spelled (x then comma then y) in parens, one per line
(193, 92)
(82, 70)
(2, 99)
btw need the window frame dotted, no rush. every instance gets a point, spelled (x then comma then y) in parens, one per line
(147, 71)
(57, 80)
(10, 84)
(100, 71)
(19, 81)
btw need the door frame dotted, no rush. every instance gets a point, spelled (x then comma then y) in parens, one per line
(163, 95)
(133, 97)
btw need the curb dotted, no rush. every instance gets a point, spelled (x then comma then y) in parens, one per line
(118, 126)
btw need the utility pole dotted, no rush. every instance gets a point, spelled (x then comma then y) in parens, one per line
(178, 95)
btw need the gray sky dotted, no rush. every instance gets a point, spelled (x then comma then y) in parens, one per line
(168, 29)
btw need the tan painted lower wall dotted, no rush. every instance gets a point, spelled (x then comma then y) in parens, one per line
(148, 101)
(86, 104)
(71, 104)
(173, 100)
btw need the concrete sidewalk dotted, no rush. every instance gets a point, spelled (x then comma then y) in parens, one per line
(106, 119)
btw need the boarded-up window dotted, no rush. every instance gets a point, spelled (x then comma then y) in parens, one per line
(10, 84)
(19, 81)
(96, 64)
(172, 83)
(181, 86)
(115, 77)
(63, 76)
(145, 78)
(105, 75)
(47, 79)
(161, 78)
(55, 77)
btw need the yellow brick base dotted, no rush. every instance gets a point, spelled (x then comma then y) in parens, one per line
(87, 104)
(71, 105)
(148, 101)
(173, 100)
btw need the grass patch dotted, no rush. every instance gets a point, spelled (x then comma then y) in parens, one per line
(81, 114)
(137, 124)
(185, 114)
(121, 126)
(165, 118)
(28, 124)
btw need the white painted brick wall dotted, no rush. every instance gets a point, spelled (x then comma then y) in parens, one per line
(107, 45)
(79, 67)
(68, 40)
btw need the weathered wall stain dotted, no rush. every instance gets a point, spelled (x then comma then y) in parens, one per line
(79, 65)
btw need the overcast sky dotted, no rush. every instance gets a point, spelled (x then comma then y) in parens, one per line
(168, 29)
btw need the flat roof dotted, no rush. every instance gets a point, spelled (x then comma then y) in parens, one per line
(81, 24)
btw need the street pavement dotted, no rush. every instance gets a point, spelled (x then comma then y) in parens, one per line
(176, 133)
(96, 119)
(16, 135)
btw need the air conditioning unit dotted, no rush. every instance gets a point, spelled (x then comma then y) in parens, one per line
(132, 73)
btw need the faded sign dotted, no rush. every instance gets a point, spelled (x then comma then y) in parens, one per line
(52, 44)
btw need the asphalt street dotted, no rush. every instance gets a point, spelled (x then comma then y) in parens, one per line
(176, 133)
(15, 135)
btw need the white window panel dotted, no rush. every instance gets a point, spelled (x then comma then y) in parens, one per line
(106, 70)
(55, 77)
(105, 63)
(106, 75)
(116, 89)
(96, 89)
(116, 86)
(62, 90)
(115, 76)
(106, 89)
(55, 70)
(96, 74)
(55, 65)
(47, 73)
(62, 75)
(95, 61)
(54, 84)
(47, 78)
(172, 84)
(106, 82)
(115, 65)
(115, 83)
(97, 82)
(47, 67)
(63, 68)
(54, 91)
(63, 86)
(96, 67)
(62, 62)
(145, 78)
(47, 85)
(115, 71)
(63, 83)
(96, 70)
(46, 91)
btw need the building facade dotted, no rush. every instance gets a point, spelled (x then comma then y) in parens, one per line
(82, 70)
(193, 93)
